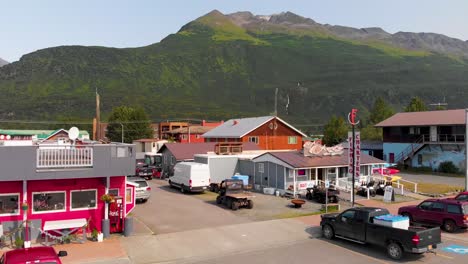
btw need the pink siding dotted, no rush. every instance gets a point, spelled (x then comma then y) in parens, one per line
(93, 215)
(12, 187)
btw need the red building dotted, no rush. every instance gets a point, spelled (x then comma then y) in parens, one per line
(192, 133)
(48, 189)
(268, 132)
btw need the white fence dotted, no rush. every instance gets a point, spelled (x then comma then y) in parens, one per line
(64, 157)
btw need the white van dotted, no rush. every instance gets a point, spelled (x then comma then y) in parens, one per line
(190, 177)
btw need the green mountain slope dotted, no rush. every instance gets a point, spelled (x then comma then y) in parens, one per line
(214, 68)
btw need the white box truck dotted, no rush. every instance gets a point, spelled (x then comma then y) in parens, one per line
(190, 177)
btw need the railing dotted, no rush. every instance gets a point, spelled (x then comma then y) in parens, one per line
(53, 156)
(410, 150)
(446, 138)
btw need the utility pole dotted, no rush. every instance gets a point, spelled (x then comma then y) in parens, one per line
(98, 117)
(276, 102)
(122, 132)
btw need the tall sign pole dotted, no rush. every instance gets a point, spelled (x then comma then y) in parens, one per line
(466, 149)
(353, 150)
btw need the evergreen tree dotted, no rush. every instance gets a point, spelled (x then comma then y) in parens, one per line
(416, 105)
(335, 131)
(379, 112)
(132, 122)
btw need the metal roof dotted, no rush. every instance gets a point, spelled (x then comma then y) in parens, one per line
(296, 159)
(41, 134)
(239, 127)
(186, 151)
(426, 118)
(193, 130)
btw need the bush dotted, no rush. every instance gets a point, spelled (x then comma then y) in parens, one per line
(447, 167)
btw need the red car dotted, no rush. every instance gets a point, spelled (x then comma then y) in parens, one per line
(450, 214)
(463, 196)
(32, 255)
(385, 171)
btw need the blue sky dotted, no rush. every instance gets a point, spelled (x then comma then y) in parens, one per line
(26, 26)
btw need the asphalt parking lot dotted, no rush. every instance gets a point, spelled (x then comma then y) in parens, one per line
(169, 211)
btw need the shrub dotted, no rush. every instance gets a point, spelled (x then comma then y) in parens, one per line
(447, 167)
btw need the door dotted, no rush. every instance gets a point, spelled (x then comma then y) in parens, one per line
(391, 157)
(344, 223)
(437, 214)
(423, 212)
(433, 133)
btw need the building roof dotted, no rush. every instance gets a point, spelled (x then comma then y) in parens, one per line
(366, 145)
(193, 130)
(296, 159)
(426, 118)
(147, 140)
(237, 128)
(186, 151)
(41, 134)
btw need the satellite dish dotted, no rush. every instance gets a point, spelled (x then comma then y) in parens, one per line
(73, 133)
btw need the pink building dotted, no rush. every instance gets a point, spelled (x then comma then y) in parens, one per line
(59, 188)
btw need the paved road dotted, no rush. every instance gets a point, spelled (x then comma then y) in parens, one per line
(336, 251)
(169, 211)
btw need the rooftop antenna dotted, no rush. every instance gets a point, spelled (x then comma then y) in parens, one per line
(438, 105)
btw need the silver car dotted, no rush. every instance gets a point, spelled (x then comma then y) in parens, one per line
(143, 190)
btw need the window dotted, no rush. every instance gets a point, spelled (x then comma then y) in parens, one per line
(292, 140)
(48, 202)
(114, 192)
(348, 215)
(419, 159)
(184, 136)
(253, 139)
(426, 205)
(128, 195)
(9, 204)
(454, 209)
(83, 199)
(197, 136)
(438, 207)
(173, 160)
(261, 167)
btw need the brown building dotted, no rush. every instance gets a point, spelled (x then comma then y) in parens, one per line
(268, 132)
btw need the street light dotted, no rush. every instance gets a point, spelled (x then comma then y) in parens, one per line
(122, 132)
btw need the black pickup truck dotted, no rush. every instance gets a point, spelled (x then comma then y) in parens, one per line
(357, 224)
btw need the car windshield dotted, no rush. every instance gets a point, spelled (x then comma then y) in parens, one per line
(234, 185)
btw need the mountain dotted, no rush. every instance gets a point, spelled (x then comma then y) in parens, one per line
(3, 62)
(223, 66)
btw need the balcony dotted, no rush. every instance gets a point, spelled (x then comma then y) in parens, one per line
(444, 138)
(64, 157)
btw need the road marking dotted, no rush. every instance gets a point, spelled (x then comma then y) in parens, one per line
(456, 249)
(444, 256)
(359, 254)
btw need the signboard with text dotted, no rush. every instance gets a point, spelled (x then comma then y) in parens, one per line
(357, 153)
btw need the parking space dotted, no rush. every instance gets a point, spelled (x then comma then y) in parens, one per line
(169, 211)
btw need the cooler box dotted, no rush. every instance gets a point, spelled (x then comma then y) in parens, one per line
(244, 178)
(396, 221)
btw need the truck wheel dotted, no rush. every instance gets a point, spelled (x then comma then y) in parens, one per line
(182, 188)
(216, 189)
(235, 206)
(219, 199)
(170, 184)
(229, 203)
(309, 196)
(328, 232)
(450, 226)
(250, 204)
(394, 251)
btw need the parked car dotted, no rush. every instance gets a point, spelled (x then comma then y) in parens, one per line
(190, 177)
(450, 214)
(357, 225)
(463, 196)
(32, 255)
(143, 191)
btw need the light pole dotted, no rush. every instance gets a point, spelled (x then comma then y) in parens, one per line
(122, 132)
